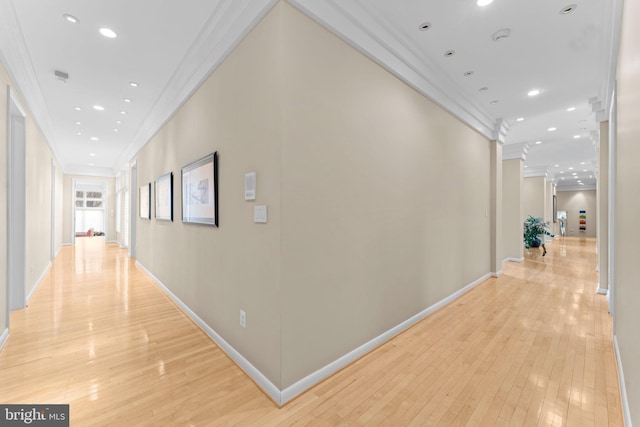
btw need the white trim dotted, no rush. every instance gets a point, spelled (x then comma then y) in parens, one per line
(497, 274)
(4, 337)
(575, 187)
(112, 241)
(356, 25)
(626, 411)
(33, 290)
(257, 376)
(601, 291)
(227, 26)
(67, 244)
(314, 378)
(283, 396)
(512, 259)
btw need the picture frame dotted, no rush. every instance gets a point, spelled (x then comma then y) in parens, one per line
(200, 191)
(144, 197)
(164, 197)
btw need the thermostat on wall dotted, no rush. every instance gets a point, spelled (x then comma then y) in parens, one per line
(250, 186)
(260, 214)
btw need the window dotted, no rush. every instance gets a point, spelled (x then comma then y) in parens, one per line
(89, 199)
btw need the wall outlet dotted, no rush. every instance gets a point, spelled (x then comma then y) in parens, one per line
(243, 319)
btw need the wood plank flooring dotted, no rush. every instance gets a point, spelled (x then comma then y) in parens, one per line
(533, 347)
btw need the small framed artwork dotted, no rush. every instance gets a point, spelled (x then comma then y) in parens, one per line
(164, 197)
(145, 201)
(200, 191)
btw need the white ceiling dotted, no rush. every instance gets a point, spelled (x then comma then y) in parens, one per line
(171, 47)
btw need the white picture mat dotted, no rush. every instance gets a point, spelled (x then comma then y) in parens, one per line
(164, 197)
(145, 198)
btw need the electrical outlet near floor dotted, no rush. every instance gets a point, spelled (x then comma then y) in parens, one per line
(243, 319)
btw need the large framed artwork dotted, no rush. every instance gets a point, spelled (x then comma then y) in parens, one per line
(144, 194)
(164, 197)
(200, 191)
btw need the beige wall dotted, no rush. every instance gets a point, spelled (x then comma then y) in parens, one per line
(363, 231)
(533, 197)
(59, 200)
(372, 233)
(67, 207)
(626, 290)
(575, 201)
(602, 194)
(218, 271)
(4, 82)
(38, 165)
(512, 215)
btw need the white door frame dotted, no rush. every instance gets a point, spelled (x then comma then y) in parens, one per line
(16, 204)
(105, 187)
(53, 209)
(133, 209)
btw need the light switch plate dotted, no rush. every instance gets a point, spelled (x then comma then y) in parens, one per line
(260, 214)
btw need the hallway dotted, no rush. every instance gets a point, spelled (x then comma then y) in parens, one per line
(533, 347)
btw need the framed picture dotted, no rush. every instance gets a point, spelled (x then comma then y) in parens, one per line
(164, 197)
(200, 191)
(145, 201)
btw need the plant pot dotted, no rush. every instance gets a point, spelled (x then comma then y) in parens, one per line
(536, 243)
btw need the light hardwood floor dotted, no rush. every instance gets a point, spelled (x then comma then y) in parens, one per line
(533, 347)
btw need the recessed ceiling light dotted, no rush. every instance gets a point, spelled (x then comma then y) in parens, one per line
(93, 138)
(425, 26)
(133, 84)
(575, 173)
(557, 166)
(108, 33)
(98, 107)
(78, 133)
(483, 3)
(78, 123)
(92, 154)
(534, 92)
(519, 119)
(590, 176)
(123, 112)
(571, 168)
(568, 9)
(571, 109)
(71, 18)
(501, 34)
(561, 171)
(576, 136)
(118, 121)
(127, 100)
(538, 142)
(562, 178)
(449, 53)
(483, 89)
(494, 102)
(551, 129)
(115, 130)
(77, 108)
(468, 73)
(584, 170)
(582, 163)
(526, 166)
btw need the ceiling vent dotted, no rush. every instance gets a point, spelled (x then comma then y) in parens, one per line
(501, 34)
(568, 9)
(61, 75)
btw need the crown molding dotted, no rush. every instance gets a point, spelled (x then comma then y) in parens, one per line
(575, 187)
(14, 55)
(611, 29)
(515, 151)
(536, 171)
(90, 171)
(229, 23)
(353, 22)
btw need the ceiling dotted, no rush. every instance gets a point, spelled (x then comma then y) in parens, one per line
(169, 49)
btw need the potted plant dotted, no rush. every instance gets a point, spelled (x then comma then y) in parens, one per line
(534, 231)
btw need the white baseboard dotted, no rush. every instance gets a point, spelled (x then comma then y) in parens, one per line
(512, 259)
(67, 244)
(257, 376)
(283, 396)
(312, 379)
(58, 251)
(112, 241)
(4, 337)
(626, 411)
(46, 270)
(497, 274)
(601, 291)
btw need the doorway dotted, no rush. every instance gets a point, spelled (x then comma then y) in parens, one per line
(16, 206)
